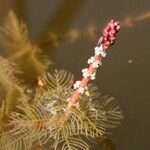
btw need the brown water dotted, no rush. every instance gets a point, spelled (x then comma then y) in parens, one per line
(126, 71)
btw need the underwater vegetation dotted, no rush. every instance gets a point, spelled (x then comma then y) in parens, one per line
(14, 40)
(55, 113)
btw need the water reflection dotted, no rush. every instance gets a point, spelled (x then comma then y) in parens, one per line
(62, 18)
(131, 21)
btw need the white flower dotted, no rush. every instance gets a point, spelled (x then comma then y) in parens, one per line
(85, 73)
(93, 76)
(103, 54)
(77, 84)
(98, 50)
(81, 90)
(101, 48)
(91, 60)
(96, 63)
(84, 70)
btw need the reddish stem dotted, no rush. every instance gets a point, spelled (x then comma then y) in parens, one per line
(83, 84)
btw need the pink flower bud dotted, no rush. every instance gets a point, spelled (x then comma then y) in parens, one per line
(111, 22)
(112, 26)
(112, 38)
(106, 38)
(117, 23)
(105, 34)
(107, 43)
(109, 32)
(118, 28)
(113, 31)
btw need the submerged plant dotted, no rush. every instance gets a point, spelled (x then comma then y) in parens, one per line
(14, 38)
(58, 114)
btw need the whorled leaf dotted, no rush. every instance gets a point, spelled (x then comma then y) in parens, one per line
(26, 127)
(9, 142)
(34, 123)
(58, 80)
(50, 121)
(103, 111)
(56, 87)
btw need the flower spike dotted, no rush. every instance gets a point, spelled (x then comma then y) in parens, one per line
(105, 41)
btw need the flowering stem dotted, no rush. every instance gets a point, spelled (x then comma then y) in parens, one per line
(108, 39)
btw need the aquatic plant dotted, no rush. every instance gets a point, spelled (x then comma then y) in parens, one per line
(14, 38)
(56, 113)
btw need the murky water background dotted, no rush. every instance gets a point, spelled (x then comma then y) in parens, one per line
(75, 26)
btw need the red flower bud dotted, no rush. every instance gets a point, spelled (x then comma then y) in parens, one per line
(108, 28)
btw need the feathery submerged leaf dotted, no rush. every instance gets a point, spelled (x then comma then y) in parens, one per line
(14, 39)
(50, 122)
